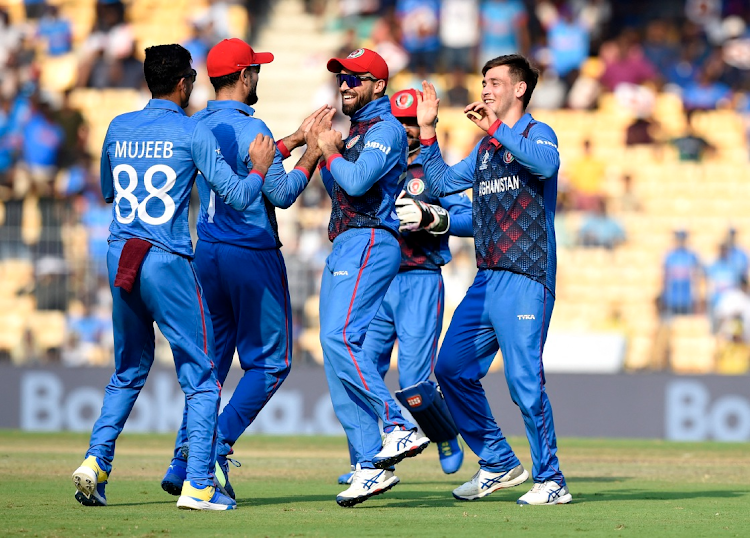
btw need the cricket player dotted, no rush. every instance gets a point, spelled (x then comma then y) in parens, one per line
(363, 175)
(149, 161)
(412, 310)
(250, 310)
(513, 173)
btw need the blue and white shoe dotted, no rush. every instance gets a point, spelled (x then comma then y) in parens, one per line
(451, 455)
(346, 478)
(366, 483)
(89, 479)
(484, 482)
(222, 473)
(546, 493)
(398, 445)
(174, 477)
(194, 497)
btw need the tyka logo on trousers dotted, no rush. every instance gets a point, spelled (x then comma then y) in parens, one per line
(525, 316)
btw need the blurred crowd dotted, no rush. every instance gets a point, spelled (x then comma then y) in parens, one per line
(54, 220)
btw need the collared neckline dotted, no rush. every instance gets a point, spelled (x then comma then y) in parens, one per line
(165, 104)
(522, 123)
(373, 109)
(417, 161)
(222, 104)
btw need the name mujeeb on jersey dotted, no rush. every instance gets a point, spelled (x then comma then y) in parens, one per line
(143, 149)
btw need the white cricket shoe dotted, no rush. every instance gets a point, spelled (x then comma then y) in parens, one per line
(366, 483)
(549, 492)
(398, 445)
(484, 482)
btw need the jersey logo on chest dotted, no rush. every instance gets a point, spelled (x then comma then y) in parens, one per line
(415, 187)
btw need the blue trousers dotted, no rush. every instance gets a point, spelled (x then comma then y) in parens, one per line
(166, 292)
(248, 296)
(412, 311)
(358, 271)
(511, 312)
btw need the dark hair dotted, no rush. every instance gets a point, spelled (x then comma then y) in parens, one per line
(519, 69)
(225, 81)
(164, 66)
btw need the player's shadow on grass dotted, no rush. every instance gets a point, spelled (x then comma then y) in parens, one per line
(287, 499)
(647, 495)
(597, 479)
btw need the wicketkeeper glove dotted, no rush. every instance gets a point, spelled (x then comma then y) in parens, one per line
(415, 215)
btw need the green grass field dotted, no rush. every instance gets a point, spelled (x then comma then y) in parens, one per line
(286, 487)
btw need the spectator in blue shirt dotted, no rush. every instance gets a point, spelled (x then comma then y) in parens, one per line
(721, 276)
(504, 29)
(56, 31)
(601, 230)
(737, 255)
(682, 271)
(568, 40)
(42, 140)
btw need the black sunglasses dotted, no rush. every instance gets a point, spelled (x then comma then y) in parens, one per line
(255, 68)
(352, 81)
(192, 75)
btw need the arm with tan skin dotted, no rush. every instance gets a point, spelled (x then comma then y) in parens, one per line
(440, 178)
(298, 137)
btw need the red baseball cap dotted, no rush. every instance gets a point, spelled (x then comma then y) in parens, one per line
(361, 61)
(231, 55)
(404, 103)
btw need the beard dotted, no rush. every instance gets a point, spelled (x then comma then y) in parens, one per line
(414, 143)
(362, 99)
(252, 98)
(186, 101)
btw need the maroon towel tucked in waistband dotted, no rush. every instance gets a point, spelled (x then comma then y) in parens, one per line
(131, 259)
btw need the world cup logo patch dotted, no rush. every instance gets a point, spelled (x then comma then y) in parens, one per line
(351, 142)
(404, 101)
(415, 187)
(356, 54)
(507, 157)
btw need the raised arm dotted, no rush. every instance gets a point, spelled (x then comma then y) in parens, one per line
(235, 191)
(299, 137)
(280, 188)
(376, 159)
(538, 152)
(441, 179)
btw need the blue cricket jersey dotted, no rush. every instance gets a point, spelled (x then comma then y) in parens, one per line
(422, 249)
(149, 162)
(513, 174)
(364, 183)
(681, 266)
(234, 126)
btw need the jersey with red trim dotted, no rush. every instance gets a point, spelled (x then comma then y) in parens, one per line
(509, 215)
(235, 128)
(513, 174)
(364, 184)
(150, 159)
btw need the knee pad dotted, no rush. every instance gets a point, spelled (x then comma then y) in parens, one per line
(426, 404)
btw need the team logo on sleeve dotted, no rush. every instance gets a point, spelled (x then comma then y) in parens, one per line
(507, 157)
(356, 53)
(404, 101)
(415, 187)
(351, 142)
